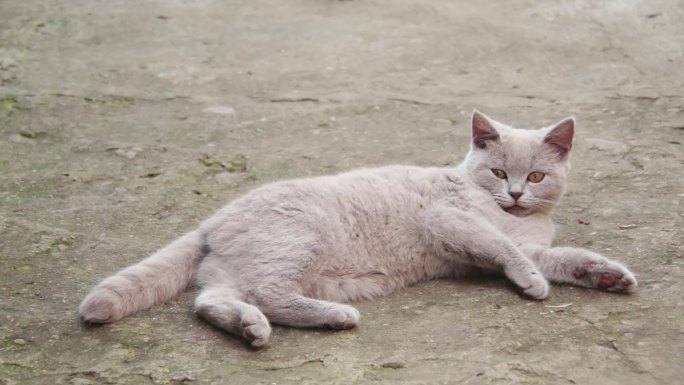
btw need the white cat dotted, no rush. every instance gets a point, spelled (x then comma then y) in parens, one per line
(290, 251)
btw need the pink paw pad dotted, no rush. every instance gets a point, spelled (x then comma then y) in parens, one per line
(606, 281)
(608, 275)
(615, 281)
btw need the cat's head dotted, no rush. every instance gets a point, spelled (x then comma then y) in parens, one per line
(524, 170)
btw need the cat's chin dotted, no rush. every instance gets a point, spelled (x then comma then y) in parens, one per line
(518, 211)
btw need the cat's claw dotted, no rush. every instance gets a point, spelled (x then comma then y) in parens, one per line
(607, 275)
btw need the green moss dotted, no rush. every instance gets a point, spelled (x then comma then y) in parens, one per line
(32, 135)
(24, 267)
(8, 103)
(61, 241)
(238, 163)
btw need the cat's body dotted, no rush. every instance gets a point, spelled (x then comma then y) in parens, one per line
(289, 251)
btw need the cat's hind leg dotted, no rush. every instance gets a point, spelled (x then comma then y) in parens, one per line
(582, 267)
(223, 307)
(292, 309)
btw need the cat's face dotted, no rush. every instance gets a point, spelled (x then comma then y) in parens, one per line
(524, 170)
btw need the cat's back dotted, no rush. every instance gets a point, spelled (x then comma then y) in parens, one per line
(358, 198)
(361, 187)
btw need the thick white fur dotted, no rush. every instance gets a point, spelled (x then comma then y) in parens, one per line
(290, 251)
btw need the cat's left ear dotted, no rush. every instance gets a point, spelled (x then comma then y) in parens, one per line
(560, 137)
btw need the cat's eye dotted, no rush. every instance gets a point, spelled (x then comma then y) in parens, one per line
(536, 177)
(501, 174)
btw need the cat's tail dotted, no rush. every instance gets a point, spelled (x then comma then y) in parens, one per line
(161, 277)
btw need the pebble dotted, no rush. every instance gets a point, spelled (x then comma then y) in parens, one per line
(20, 341)
(7, 63)
(80, 381)
(128, 153)
(221, 110)
(226, 177)
(16, 138)
(607, 145)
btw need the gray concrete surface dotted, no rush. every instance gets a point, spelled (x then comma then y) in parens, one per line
(124, 123)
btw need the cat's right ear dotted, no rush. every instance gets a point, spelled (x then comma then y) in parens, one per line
(483, 130)
(560, 136)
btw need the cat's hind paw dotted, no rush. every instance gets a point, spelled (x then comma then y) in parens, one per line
(607, 275)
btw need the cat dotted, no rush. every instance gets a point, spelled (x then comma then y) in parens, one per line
(291, 252)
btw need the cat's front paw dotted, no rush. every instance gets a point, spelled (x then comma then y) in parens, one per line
(255, 329)
(341, 317)
(539, 287)
(607, 275)
(531, 281)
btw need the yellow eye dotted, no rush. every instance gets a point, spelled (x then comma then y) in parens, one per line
(501, 174)
(536, 177)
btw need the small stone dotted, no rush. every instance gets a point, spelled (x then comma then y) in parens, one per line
(80, 381)
(221, 110)
(627, 227)
(7, 63)
(185, 376)
(16, 138)
(393, 365)
(226, 177)
(20, 341)
(607, 145)
(128, 153)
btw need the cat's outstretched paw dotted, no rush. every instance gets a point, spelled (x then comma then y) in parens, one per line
(607, 275)
(531, 281)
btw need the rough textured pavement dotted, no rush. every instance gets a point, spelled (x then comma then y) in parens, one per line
(124, 123)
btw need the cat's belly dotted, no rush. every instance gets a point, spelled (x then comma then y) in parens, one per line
(373, 276)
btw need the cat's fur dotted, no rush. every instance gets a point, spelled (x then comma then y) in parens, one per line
(290, 251)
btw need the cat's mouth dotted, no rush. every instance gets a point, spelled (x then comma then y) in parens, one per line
(516, 210)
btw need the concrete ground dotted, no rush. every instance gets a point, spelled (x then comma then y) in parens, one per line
(124, 123)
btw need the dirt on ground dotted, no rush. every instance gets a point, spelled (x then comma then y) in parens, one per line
(125, 123)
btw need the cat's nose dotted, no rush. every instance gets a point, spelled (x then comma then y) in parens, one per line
(515, 194)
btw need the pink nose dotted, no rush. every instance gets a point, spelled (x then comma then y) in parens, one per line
(515, 194)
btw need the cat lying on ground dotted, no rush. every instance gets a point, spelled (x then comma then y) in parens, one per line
(289, 252)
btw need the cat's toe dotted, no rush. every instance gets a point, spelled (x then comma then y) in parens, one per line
(342, 317)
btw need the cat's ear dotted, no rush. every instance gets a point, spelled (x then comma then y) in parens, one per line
(560, 136)
(483, 130)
